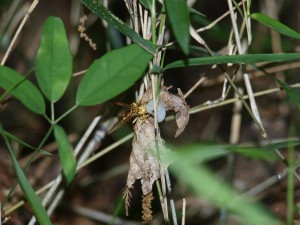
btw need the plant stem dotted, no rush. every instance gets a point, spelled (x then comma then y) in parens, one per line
(52, 113)
(290, 186)
(153, 21)
(65, 114)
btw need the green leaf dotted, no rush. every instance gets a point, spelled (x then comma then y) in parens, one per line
(257, 153)
(196, 12)
(53, 60)
(208, 186)
(275, 25)
(282, 145)
(12, 137)
(65, 152)
(22, 89)
(201, 153)
(235, 59)
(198, 153)
(178, 14)
(97, 8)
(145, 3)
(43, 152)
(33, 200)
(112, 74)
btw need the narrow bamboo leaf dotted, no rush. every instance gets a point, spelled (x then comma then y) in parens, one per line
(197, 153)
(264, 152)
(202, 153)
(196, 12)
(97, 8)
(257, 153)
(210, 187)
(22, 89)
(66, 156)
(243, 59)
(33, 200)
(12, 137)
(112, 74)
(43, 152)
(53, 60)
(178, 14)
(282, 145)
(275, 25)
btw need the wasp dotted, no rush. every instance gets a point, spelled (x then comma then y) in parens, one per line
(136, 109)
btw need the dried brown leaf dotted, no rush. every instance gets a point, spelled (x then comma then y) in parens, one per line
(144, 162)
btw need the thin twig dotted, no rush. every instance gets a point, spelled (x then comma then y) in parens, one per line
(79, 73)
(100, 216)
(172, 204)
(212, 24)
(135, 17)
(31, 8)
(235, 129)
(183, 211)
(194, 87)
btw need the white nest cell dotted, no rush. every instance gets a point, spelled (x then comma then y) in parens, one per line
(161, 110)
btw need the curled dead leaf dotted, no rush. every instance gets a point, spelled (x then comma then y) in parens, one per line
(178, 104)
(173, 102)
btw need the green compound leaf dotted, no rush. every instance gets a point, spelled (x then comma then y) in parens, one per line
(97, 8)
(178, 14)
(22, 89)
(275, 25)
(54, 60)
(66, 155)
(112, 74)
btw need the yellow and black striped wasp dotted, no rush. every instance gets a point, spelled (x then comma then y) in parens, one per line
(136, 109)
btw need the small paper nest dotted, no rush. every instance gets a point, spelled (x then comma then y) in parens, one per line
(146, 148)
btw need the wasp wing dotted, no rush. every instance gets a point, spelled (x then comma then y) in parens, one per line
(125, 118)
